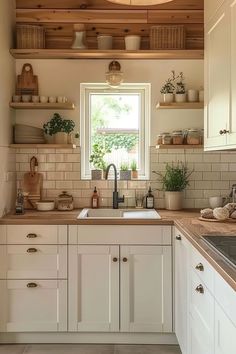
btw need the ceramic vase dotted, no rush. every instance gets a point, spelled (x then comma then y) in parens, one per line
(125, 175)
(180, 97)
(173, 200)
(61, 138)
(168, 97)
(96, 174)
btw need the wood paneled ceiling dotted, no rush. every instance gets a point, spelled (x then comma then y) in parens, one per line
(103, 17)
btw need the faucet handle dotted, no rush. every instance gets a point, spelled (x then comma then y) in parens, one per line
(121, 199)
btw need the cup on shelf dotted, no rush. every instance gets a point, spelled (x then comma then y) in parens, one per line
(16, 98)
(132, 42)
(43, 99)
(104, 42)
(26, 98)
(35, 99)
(192, 95)
(52, 99)
(61, 99)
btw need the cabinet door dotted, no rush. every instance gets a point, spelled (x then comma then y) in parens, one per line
(217, 79)
(94, 288)
(146, 289)
(210, 8)
(182, 249)
(225, 333)
(33, 306)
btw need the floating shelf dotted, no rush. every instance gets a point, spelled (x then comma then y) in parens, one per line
(184, 105)
(105, 54)
(43, 146)
(159, 147)
(31, 105)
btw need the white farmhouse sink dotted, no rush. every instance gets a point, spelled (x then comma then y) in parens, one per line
(118, 214)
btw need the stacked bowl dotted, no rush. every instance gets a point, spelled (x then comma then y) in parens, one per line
(25, 134)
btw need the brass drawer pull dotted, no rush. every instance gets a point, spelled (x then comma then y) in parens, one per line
(32, 250)
(179, 238)
(199, 289)
(115, 259)
(32, 285)
(221, 132)
(31, 236)
(125, 260)
(200, 267)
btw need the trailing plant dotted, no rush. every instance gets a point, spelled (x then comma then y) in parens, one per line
(180, 85)
(124, 166)
(169, 86)
(57, 124)
(97, 156)
(175, 178)
(133, 165)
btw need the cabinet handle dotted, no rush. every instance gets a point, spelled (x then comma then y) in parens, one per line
(226, 131)
(115, 259)
(32, 285)
(200, 267)
(32, 250)
(125, 259)
(221, 132)
(199, 289)
(31, 236)
(179, 238)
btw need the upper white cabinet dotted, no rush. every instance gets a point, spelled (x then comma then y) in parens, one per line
(210, 8)
(220, 73)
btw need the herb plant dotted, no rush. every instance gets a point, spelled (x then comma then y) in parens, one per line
(124, 166)
(169, 86)
(180, 85)
(97, 157)
(58, 124)
(175, 178)
(133, 165)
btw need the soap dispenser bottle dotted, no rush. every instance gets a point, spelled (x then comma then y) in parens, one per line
(149, 199)
(95, 199)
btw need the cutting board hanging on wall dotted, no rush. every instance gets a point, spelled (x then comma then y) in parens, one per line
(27, 82)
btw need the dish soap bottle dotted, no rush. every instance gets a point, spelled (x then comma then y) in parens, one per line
(20, 202)
(95, 199)
(149, 199)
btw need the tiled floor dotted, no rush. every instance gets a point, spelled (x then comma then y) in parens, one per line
(88, 349)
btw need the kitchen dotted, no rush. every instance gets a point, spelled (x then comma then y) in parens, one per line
(190, 306)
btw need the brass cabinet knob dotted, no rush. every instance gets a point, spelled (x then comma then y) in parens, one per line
(200, 267)
(199, 289)
(179, 238)
(221, 132)
(226, 131)
(32, 250)
(32, 285)
(31, 236)
(125, 260)
(115, 259)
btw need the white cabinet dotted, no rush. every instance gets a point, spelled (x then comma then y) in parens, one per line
(181, 280)
(225, 333)
(210, 8)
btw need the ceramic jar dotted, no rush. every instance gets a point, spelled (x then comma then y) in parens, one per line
(132, 42)
(104, 42)
(192, 95)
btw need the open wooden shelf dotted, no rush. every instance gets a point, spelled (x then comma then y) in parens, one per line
(105, 54)
(31, 105)
(159, 147)
(184, 105)
(43, 146)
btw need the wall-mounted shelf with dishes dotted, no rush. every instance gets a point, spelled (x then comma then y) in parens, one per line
(31, 105)
(184, 105)
(43, 146)
(172, 146)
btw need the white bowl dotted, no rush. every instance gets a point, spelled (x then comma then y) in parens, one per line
(45, 205)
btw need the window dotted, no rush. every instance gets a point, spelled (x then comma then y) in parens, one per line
(115, 122)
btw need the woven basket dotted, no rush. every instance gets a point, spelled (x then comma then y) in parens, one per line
(167, 37)
(30, 37)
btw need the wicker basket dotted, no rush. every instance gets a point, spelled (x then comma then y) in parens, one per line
(167, 37)
(30, 37)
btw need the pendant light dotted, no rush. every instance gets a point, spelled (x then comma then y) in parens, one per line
(114, 77)
(139, 2)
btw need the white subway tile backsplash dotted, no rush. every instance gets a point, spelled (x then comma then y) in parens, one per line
(62, 166)
(211, 176)
(64, 185)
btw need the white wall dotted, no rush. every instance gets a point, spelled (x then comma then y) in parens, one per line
(7, 163)
(63, 77)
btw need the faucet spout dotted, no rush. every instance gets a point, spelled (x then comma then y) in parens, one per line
(116, 198)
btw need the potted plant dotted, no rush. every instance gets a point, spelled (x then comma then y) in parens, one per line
(180, 91)
(134, 172)
(168, 89)
(97, 159)
(58, 128)
(125, 173)
(174, 180)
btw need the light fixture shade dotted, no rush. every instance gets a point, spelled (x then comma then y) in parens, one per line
(114, 77)
(139, 2)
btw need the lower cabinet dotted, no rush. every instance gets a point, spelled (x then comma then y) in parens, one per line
(33, 306)
(225, 333)
(120, 288)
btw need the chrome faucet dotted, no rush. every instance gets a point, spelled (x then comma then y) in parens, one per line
(116, 198)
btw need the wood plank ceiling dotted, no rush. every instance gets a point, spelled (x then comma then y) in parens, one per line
(103, 17)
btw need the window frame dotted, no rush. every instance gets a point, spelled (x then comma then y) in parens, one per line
(144, 89)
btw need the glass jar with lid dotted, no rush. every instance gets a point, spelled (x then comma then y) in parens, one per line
(193, 137)
(166, 139)
(159, 139)
(65, 201)
(177, 137)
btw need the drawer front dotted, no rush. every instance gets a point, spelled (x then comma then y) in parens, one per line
(201, 305)
(36, 234)
(130, 234)
(203, 269)
(33, 305)
(37, 261)
(198, 340)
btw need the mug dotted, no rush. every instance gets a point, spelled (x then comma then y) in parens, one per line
(26, 98)
(35, 99)
(52, 99)
(192, 95)
(61, 99)
(16, 98)
(104, 42)
(43, 99)
(217, 202)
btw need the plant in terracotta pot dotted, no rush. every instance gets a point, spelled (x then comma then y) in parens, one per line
(168, 89)
(180, 91)
(97, 160)
(125, 173)
(134, 171)
(174, 180)
(59, 129)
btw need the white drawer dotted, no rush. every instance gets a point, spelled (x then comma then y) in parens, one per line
(33, 305)
(203, 269)
(37, 261)
(33, 234)
(122, 234)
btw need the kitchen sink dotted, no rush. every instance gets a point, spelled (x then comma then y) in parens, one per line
(118, 214)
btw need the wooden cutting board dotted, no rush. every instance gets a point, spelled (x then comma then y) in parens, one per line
(27, 82)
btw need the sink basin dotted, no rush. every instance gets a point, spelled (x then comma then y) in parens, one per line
(118, 214)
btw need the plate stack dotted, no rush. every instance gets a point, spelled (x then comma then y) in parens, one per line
(25, 134)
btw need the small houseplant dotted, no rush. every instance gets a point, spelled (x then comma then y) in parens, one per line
(97, 160)
(168, 89)
(125, 173)
(59, 128)
(134, 172)
(174, 180)
(180, 91)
